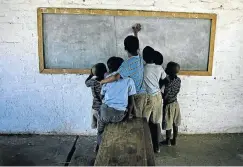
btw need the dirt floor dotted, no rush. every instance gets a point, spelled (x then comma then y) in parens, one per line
(222, 149)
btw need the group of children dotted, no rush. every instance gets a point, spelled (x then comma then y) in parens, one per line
(132, 88)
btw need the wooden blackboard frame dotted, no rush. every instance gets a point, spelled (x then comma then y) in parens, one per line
(41, 11)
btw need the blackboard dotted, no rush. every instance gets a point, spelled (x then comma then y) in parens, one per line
(73, 40)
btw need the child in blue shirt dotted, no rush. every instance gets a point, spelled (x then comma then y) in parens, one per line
(132, 68)
(117, 99)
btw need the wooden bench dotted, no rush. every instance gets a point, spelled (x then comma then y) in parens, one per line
(126, 144)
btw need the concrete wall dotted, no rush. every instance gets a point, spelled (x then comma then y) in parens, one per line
(36, 103)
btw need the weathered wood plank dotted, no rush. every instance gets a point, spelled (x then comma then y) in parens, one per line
(148, 145)
(125, 144)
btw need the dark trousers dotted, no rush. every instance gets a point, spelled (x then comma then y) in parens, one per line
(108, 115)
(155, 133)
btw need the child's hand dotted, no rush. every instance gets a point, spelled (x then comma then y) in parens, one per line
(101, 82)
(136, 28)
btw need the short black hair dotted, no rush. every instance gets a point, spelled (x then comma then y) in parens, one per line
(131, 44)
(100, 70)
(172, 68)
(114, 63)
(148, 54)
(158, 58)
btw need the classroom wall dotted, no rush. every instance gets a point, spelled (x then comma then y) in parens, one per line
(31, 102)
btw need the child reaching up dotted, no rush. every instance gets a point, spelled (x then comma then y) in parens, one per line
(132, 68)
(97, 74)
(171, 115)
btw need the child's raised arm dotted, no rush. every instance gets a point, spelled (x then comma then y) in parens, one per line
(136, 28)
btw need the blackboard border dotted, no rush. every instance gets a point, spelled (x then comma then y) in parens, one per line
(43, 10)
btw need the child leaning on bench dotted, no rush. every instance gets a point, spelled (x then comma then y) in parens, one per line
(117, 98)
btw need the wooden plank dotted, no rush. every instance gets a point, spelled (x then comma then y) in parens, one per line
(195, 73)
(128, 13)
(65, 71)
(124, 144)
(40, 40)
(212, 42)
(148, 145)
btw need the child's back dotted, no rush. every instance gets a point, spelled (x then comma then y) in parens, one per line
(173, 85)
(153, 72)
(152, 75)
(153, 108)
(133, 67)
(172, 115)
(116, 93)
(171, 91)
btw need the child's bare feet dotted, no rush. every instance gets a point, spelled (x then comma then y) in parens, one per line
(157, 150)
(173, 142)
(166, 142)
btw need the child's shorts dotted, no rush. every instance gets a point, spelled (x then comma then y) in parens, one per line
(153, 108)
(140, 102)
(172, 116)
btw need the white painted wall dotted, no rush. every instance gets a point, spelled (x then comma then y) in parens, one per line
(31, 102)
